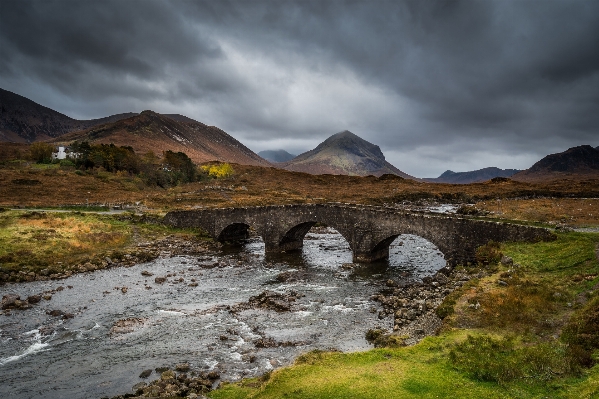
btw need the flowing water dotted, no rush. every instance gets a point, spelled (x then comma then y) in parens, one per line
(47, 357)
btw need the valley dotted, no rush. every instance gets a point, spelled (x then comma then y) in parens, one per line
(233, 320)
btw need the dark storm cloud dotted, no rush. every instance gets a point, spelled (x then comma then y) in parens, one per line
(437, 84)
(98, 48)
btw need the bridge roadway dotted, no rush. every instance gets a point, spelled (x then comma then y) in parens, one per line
(369, 230)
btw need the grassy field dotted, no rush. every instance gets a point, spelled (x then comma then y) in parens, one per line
(569, 211)
(32, 241)
(535, 335)
(33, 185)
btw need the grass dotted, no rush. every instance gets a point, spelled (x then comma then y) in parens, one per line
(31, 241)
(572, 211)
(250, 185)
(421, 371)
(508, 347)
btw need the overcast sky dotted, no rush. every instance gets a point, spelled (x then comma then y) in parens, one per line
(438, 85)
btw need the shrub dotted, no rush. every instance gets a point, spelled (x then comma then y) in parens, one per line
(66, 163)
(381, 339)
(181, 165)
(489, 253)
(582, 333)
(498, 360)
(41, 152)
(218, 171)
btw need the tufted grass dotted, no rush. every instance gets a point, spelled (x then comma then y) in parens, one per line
(34, 240)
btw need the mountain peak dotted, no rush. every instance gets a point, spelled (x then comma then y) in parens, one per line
(150, 131)
(25, 121)
(344, 153)
(447, 173)
(352, 143)
(582, 160)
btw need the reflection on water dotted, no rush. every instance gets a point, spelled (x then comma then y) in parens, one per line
(43, 356)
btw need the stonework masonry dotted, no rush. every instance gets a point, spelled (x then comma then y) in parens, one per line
(369, 230)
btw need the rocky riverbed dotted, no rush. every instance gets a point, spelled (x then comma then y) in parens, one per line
(226, 313)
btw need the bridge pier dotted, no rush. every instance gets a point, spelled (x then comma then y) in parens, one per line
(371, 256)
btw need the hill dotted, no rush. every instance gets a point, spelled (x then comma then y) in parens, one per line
(276, 155)
(576, 163)
(474, 176)
(344, 153)
(150, 131)
(25, 121)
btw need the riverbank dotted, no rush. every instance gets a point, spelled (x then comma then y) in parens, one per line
(39, 246)
(524, 328)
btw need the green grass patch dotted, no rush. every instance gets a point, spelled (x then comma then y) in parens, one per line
(422, 371)
(572, 253)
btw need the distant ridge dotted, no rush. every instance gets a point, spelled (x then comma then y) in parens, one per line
(150, 131)
(276, 155)
(576, 162)
(474, 176)
(25, 121)
(344, 153)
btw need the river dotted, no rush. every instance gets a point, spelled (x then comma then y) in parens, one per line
(43, 356)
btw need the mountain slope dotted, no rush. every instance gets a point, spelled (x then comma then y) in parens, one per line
(344, 154)
(24, 121)
(576, 162)
(150, 131)
(276, 155)
(472, 176)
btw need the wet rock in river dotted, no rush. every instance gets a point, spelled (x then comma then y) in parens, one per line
(269, 300)
(159, 280)
(167, 375)
(146, 273)
(182, 367)
(128, 325)
(9, 301)
(271, 343)
(286, 276)
(145, 373)
(55, 312)
(138, 386)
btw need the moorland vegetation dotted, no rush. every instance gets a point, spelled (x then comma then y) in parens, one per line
(524, 326)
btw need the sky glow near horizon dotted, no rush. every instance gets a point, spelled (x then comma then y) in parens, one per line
(438, 85)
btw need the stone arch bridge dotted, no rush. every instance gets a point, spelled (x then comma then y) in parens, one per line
(368, 230)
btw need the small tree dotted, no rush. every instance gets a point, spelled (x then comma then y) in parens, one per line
(41, 152)
(218, 171)
(180, 165)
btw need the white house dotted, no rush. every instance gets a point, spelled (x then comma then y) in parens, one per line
(64, 152)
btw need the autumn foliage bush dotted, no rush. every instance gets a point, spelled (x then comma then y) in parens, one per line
(219, 170)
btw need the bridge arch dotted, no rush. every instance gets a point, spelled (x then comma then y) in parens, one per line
(293, 238)
(381, 248)
(234, 232)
